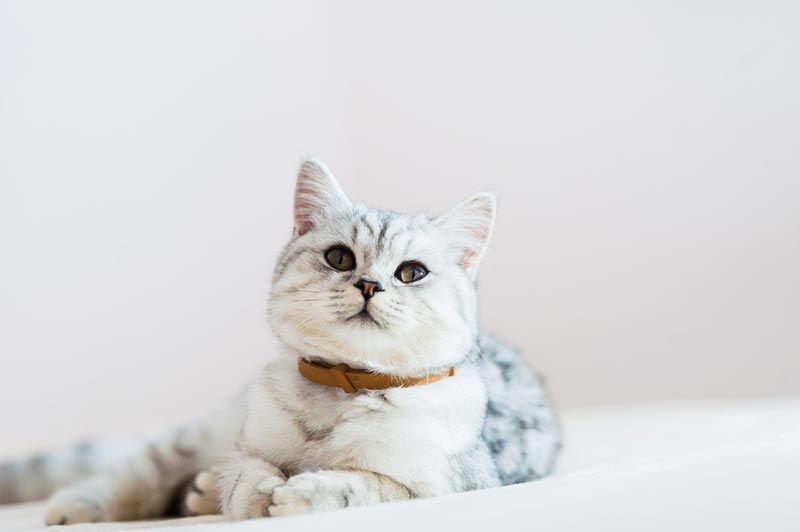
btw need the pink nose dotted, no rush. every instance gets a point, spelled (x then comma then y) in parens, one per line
(368, 288)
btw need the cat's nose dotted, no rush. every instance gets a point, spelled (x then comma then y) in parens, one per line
(368, 288)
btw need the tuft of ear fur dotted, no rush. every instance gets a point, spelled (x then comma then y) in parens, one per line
(469, 226)
(317, 196)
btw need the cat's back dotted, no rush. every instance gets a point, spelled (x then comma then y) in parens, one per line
(521, 430)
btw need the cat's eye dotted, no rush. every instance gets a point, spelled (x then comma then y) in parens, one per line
(410, 272)
(341, 258)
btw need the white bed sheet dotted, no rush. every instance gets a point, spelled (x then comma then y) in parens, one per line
(692, 466)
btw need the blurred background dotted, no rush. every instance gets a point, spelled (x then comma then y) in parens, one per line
(646, 157)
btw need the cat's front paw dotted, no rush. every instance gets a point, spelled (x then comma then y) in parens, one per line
(69, 509)
(202, 495)
(250, 501)
(309, 492)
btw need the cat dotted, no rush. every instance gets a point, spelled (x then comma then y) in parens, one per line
(383, 391)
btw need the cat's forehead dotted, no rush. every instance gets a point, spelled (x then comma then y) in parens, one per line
(385, 233)
(381, 228)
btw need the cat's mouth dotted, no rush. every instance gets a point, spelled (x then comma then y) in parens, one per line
(363, 316)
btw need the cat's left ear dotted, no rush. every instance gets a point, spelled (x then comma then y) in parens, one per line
(317, 196)
(468, 227)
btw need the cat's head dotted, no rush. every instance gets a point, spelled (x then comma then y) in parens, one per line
(375, 289)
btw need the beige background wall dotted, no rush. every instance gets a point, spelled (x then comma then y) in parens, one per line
(646, 158)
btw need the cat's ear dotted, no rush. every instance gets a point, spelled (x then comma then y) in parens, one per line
(468, 227)
(317, 196)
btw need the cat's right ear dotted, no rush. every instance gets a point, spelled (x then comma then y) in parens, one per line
(317, 196)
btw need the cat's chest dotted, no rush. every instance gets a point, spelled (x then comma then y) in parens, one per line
(339, 419)
(300, 425)
(371, 430)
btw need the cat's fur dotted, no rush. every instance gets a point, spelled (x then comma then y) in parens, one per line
(291, 446)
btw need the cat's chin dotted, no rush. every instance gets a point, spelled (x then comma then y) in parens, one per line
(363, 318)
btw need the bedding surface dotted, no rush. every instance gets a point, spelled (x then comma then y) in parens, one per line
(691, 466)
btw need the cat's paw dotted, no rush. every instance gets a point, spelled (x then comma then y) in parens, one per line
(309, 492)
(251, 502)
(68, 510)
(202, 495)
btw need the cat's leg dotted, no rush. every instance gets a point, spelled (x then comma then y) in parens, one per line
(319, 491)
(246, 486)
(142, 488)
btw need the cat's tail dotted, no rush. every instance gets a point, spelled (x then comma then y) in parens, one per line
(37, 476)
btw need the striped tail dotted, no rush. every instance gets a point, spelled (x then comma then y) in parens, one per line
(38, 476)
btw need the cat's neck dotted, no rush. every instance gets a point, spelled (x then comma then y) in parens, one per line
(400, 370)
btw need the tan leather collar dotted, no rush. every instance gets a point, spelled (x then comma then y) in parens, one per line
(352, 380)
